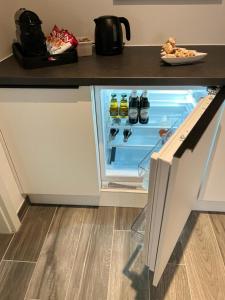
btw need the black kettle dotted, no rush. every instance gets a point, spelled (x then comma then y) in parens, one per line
(109, 34)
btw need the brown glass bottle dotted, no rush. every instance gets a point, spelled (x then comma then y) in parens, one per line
(133, 108)
(144, 108)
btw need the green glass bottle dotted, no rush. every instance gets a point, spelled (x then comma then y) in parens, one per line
(114, 108)
(123, 110)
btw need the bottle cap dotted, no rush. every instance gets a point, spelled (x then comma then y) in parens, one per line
(145, 94)
(113, 95)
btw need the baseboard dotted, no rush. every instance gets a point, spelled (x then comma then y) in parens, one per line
(217, 206)
(24, 207)
(4, 58)
(120, 198)
(106, 198)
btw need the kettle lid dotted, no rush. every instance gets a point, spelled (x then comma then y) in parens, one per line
(27, 17)
(101, 18)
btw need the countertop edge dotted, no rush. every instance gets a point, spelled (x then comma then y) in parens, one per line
(75, 82)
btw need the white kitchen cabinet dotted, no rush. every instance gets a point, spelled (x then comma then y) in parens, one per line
(49, 135)
(10, 197)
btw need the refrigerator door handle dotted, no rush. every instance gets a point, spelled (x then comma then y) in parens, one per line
(192, 139)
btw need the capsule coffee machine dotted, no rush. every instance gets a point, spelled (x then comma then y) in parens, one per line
(30, 48)
(29, 33)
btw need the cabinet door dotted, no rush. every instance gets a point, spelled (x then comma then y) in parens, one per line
(50, 137)
(176, 179)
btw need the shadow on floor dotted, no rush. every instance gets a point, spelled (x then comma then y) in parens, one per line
(142, 282)
(139, 281)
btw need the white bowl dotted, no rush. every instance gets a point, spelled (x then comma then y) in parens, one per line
(184, 60)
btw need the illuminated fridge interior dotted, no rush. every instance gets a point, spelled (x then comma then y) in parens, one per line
(126, 164)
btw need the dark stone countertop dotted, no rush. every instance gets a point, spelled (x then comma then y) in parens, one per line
(136, 66)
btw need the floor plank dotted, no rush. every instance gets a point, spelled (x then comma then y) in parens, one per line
(128, 275)
(173, 284)
(4, 242)
(82, 251)
(125, 217)
(28, 241)
(14, 279)
(53, 270)
(218, 222)
(204, 263)
(89, 280)
(177, 255)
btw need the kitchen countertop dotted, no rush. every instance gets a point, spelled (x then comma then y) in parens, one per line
(136, 66)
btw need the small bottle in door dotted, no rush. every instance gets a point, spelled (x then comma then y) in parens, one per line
(114, 108)
(113, 132)
(126, 134)
(133, 108)
(144, 108)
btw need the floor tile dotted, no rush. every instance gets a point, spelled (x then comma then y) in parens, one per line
(125, 217)
(28, 241)
(128, 274)
(14, 279)
(4, 242)
(89, 280)
(173, 285)
(53, 270)
(203, 260)
(218, 222)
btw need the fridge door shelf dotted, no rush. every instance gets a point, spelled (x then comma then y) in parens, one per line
(138, 226)
(144, 165)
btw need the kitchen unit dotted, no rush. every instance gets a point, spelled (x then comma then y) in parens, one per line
(58, 142)
(47, 141)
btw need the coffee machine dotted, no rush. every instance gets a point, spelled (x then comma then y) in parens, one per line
(29, 33)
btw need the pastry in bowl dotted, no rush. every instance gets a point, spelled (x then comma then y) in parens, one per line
(175, 55)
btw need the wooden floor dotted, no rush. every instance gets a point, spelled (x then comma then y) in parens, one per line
(90, 254)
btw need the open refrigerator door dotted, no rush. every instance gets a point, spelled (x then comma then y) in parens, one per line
(177, 171)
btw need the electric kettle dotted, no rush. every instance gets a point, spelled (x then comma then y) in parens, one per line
(109, 34)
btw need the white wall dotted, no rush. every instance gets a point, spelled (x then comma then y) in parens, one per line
(152, 21)
(6, 27)
(190, 21)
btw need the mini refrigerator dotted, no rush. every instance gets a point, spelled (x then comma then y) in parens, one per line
(167, 156)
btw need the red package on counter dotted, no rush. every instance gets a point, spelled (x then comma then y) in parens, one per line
(60, 40)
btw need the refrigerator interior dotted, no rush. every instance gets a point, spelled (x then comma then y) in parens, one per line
(127, 164)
